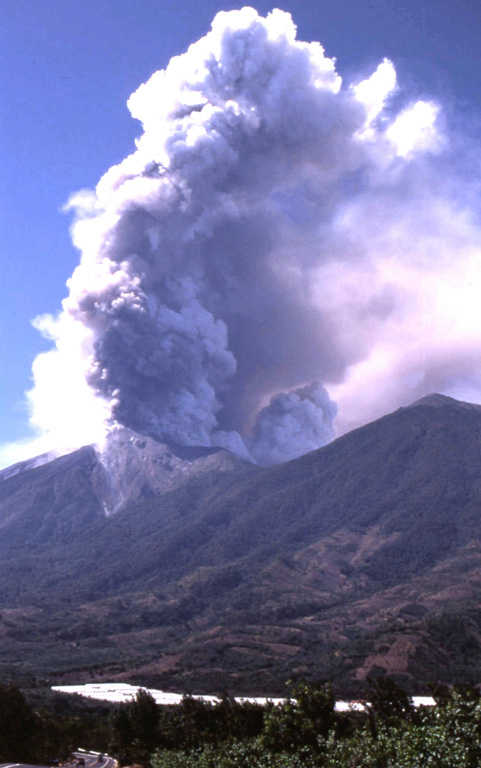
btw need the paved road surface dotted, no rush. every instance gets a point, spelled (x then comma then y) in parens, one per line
(91, 761)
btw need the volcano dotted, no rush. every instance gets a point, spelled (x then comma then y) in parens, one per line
(192, 569)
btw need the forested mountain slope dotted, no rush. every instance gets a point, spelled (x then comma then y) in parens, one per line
(361, 556)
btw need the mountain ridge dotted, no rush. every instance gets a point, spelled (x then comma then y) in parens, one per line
(440, 401)
(239, 573)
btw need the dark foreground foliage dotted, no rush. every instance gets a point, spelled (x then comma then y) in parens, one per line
(305, 731)
(38, 734)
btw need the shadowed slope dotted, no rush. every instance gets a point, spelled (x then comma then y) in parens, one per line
(346, 560)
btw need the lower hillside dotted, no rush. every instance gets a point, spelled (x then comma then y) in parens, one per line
(358, 559)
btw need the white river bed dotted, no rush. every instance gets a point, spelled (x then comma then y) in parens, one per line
(123, 692)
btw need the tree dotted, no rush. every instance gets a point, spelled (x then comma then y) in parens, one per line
(389, 701)
(17, 726)
(302, 721)
(135, 727)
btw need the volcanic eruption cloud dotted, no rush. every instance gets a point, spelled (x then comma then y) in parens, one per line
(281, 247)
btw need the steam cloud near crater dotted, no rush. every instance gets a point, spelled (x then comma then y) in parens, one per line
(276, 236)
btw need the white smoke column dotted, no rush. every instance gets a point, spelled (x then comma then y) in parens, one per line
(268, 232)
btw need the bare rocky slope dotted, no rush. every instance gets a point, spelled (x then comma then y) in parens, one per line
(192, 569)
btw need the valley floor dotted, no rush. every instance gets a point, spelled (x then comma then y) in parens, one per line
(123, 692)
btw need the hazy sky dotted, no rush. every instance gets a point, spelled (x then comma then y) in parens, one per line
(68, 69)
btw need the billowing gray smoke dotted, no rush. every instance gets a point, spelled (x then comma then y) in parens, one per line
(304, 417)
(200, 310)
(252, 246)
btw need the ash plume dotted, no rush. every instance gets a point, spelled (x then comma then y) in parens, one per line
(293, 424)
(277, 239)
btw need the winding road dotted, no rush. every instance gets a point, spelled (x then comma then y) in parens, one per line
(91, 761)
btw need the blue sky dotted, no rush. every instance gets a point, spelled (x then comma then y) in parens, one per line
(68, 69)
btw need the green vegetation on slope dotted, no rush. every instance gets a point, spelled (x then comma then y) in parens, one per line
(363, 556)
